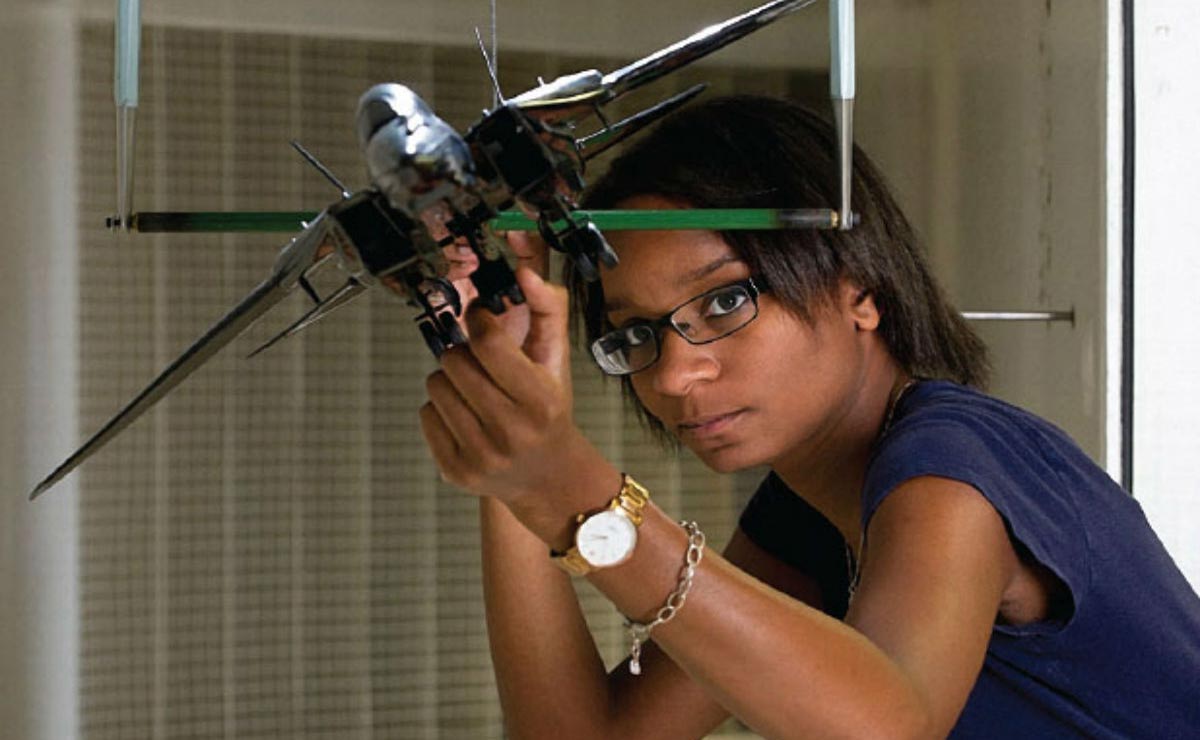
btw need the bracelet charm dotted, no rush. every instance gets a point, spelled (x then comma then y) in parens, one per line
(639, 633)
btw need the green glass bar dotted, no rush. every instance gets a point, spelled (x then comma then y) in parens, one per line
(736, 219)
(714, 219)
(168, 222)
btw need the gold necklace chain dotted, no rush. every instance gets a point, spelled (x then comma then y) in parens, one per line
(893, 403)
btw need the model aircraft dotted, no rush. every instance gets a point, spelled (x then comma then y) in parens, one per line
(432, 187)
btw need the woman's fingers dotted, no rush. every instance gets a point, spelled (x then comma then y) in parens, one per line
(547, 343)
(499, 403)
(496, 412)
(456, 414)
(460, 259)
(439, 439)
(462, 262)
(518, 374)
(525, 373)
(468, 447)
(530, 250)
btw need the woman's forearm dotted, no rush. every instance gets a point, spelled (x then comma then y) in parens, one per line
(550, 676)
(780, 666)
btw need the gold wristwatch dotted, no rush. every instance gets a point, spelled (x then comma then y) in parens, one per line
(606, 537)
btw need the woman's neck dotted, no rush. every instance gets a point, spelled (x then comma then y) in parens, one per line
(830, 474)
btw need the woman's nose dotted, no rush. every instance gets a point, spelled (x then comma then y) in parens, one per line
(681, 365)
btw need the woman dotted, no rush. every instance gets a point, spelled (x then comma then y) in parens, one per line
(922, 560)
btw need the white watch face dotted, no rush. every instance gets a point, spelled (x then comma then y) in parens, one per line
(606, 538)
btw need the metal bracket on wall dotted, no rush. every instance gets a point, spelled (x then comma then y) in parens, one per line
(1046, 316)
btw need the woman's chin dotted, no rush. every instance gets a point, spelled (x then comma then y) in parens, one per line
(728, 458)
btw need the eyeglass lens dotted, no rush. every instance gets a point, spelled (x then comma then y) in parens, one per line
(705, 318)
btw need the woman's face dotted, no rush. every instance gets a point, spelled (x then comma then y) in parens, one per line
(773, 390)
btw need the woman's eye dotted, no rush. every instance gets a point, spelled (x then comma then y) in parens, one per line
(638, 334)
(725, 302)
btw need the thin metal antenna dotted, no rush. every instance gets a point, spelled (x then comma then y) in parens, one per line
(495, 57)
(497, 96)
(308, 157)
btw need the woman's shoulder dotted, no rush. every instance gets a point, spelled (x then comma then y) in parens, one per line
(1032, 473)
(949, 430)
(966, 423)
(949, 401)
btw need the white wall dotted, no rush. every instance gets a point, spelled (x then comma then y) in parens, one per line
(1166, 423)
(39, 619)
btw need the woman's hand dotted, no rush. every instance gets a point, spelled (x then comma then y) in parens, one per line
(463, 262)
(530, 251)
(499, 420)
(528, 247)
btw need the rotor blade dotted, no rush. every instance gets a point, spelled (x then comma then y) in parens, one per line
(576, 93)
(343, 295)
(609, 136)
(292, 261)
(699, 44)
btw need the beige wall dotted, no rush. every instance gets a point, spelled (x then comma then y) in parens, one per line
(988, 117)
(568, 26)
(1011, 193)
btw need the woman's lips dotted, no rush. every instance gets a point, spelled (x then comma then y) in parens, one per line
(709, 426)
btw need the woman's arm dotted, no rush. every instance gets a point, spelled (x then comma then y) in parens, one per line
(901, 666)
(551, 680)
(550, 677)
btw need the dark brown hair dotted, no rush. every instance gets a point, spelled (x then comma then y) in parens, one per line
(758, 152)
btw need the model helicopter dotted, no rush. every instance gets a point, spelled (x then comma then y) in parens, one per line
(432, 187)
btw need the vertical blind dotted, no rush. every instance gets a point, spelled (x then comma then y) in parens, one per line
(270, 552)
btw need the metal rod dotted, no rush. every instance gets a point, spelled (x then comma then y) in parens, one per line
(1020, 315)
(320, 167)
(613, 134)
(127, 53)
(841, 92)
(733, 219)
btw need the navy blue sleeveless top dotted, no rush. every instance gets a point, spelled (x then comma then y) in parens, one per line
(1124, 659)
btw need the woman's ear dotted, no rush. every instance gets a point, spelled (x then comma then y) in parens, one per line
(859, 305)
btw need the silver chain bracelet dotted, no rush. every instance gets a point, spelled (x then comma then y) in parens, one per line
(640, 633)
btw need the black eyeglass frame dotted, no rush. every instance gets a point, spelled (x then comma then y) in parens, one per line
(754, 286)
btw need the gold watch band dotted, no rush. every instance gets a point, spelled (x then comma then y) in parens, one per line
(630, 501)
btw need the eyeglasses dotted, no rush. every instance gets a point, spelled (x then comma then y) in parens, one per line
(706, 318)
